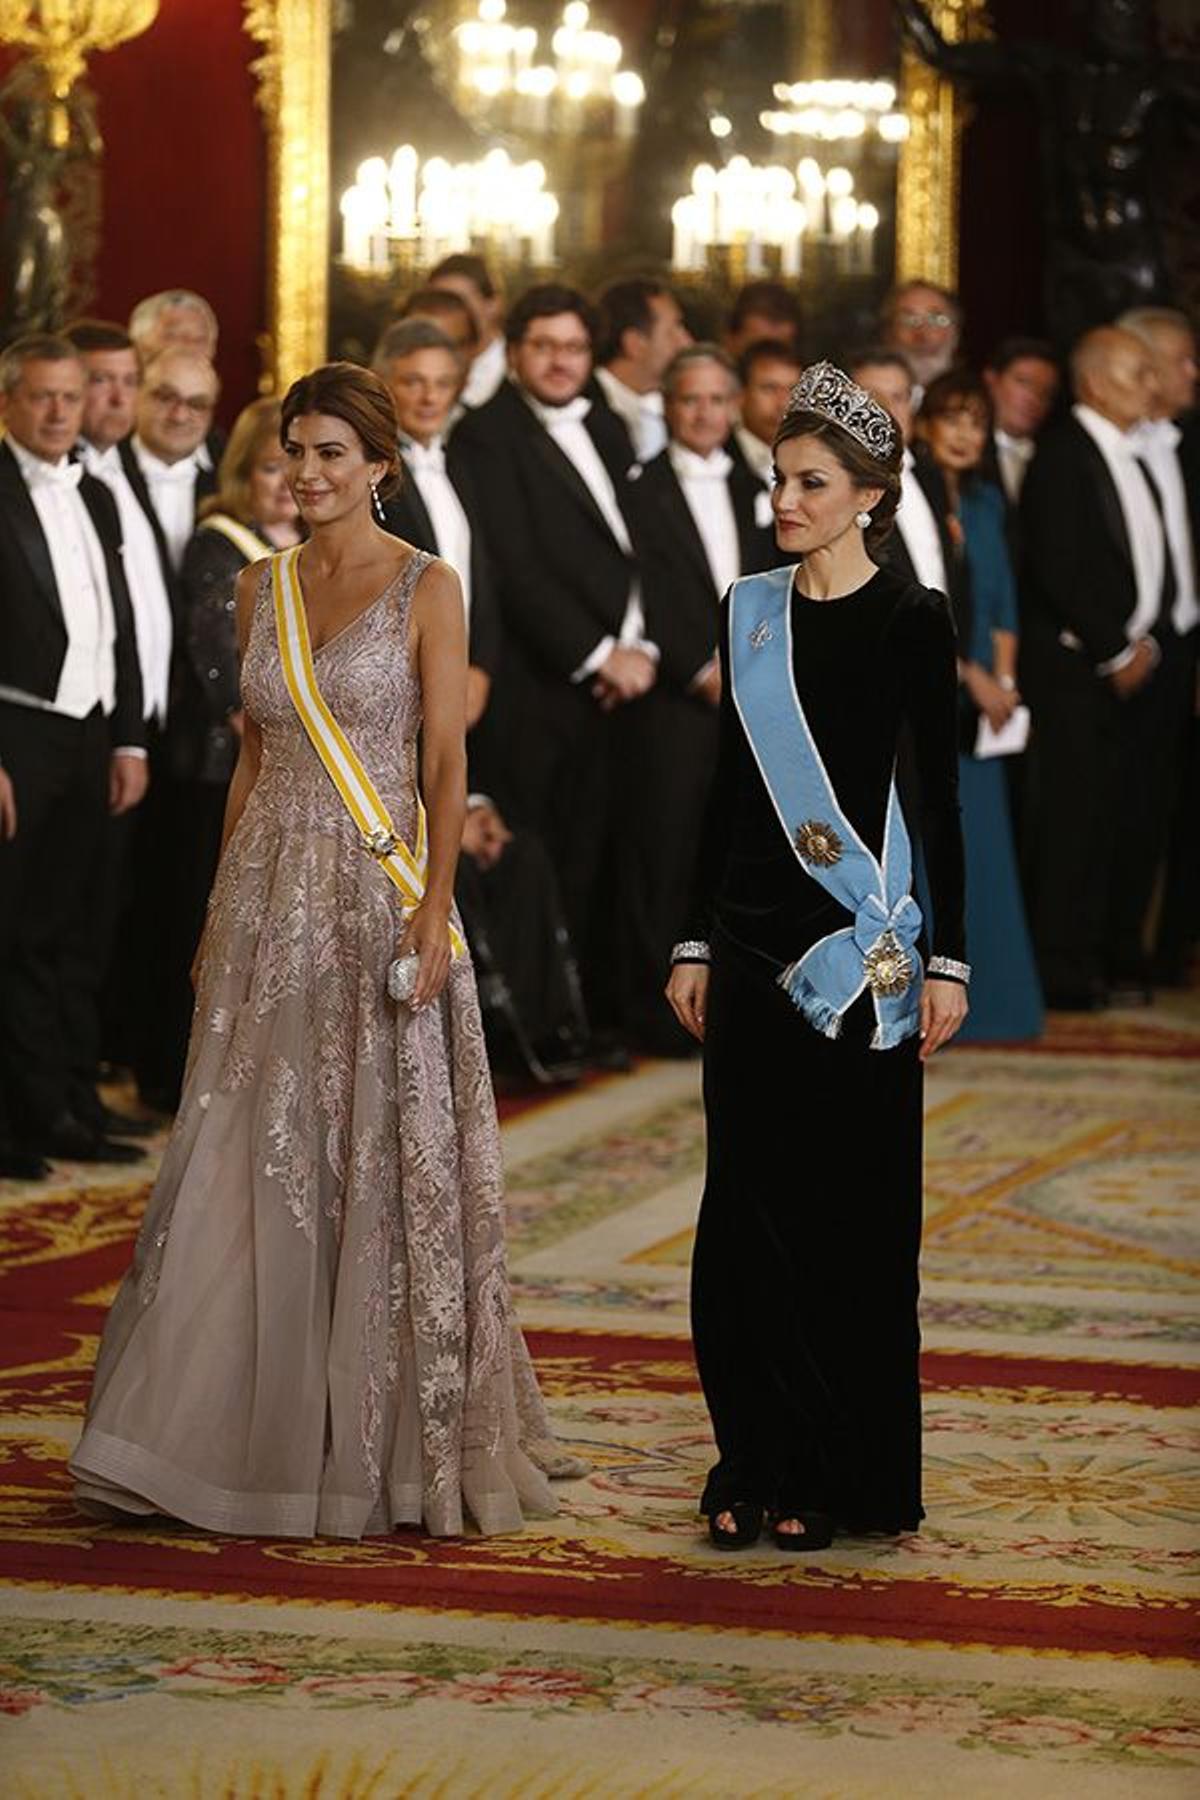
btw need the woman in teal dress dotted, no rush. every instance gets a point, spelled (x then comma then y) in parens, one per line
(1006, 1000)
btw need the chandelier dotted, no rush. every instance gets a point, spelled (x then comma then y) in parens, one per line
(499, 62)
(408, 210)
(762, 216)
(831, 111)
(62, 34)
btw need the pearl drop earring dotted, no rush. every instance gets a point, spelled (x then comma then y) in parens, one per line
(862, 520)
(377, 503)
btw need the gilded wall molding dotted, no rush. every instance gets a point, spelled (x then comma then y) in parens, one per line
(928, 177)
(293, 93)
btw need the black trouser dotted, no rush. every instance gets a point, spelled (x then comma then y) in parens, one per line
(1101, 791)
(556, 778)
(1151, 727)
(514, 907)
(59, 769)
(667, 747)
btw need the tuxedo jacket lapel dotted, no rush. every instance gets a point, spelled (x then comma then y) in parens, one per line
(27, 529)
(1110, 502)
(408, 516)
(559, 464)
(755, 541)
(137, 481)
(677, 516)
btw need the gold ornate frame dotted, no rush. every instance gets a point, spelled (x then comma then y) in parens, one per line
(293, 92)
(928, 176)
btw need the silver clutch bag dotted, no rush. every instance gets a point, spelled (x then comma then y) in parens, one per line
(402, 978)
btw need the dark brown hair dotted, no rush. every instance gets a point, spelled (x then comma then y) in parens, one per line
(955, 391)
(864, 469)
(98, 334)
(345, 391)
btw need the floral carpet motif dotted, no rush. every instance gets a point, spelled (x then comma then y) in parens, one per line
(1033, 1638)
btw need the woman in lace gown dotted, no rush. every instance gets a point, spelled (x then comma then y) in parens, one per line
(316, 1335)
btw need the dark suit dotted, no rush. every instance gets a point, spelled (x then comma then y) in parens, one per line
(159, 884)
(59, 768)
(564, 581)
(406, 516)
(1100, 788)
(668, 740)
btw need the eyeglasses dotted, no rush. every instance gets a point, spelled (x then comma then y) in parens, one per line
(199, 404)
(543, 346)
(915, 319)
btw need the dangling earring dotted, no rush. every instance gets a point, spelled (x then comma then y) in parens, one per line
(377, 503)
(862, 520)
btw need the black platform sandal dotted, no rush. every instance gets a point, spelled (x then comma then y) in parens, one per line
(817, 1532)
(747, 1517)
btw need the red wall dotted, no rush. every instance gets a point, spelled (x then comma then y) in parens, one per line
(184, 177)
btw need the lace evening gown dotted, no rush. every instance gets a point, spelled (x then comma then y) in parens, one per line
(316, 1335)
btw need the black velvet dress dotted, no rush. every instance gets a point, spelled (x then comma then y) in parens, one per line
(804, 1281)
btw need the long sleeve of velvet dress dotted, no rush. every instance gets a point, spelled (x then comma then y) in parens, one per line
(804, 1289)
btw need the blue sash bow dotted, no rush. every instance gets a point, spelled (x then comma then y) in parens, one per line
(878, 950)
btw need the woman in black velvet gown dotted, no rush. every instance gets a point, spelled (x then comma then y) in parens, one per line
(804, 1282)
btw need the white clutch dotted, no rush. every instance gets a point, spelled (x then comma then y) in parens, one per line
(402, 978)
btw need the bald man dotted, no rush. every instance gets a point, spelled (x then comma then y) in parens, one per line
(1105, 673)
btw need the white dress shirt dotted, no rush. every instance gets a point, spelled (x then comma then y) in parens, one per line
(486, 373)
(705, 484)
(426, 463)
(565, 425)
(759, 455)
(642, 414)
(144, 577)
(1013, 457)
(918, 527)
(1156, 442)
(172, 489)
(89, 672)
(1143, 527)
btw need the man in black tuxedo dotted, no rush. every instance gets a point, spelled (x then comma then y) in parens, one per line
(505, 887)
(702, 520)
(549, 465)
(919, 549)
(767, 372)
(1106, 675)
(1022, 378)
(170, 474)
(1168, 441)
(179, 319)
(435, 507)
(72, 738)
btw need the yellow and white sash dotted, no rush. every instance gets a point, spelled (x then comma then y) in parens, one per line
(405, 868)
(240, 536)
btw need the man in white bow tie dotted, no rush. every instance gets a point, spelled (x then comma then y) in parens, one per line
(641, 327)
(768, 371)
(550, 467)
(72, 742)
(175, 408)
(1023, 380)
(701, 524)
(1168, 442)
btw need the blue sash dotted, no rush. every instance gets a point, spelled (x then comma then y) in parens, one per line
(878, 950)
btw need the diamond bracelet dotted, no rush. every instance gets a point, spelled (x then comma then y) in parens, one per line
(691, 950)
(946, 965)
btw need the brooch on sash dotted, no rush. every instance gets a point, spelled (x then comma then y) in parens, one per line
(888, 966)
(818, 843)
(762, 634)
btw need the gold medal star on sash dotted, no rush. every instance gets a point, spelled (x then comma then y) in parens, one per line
(818, 843)
(888, 966)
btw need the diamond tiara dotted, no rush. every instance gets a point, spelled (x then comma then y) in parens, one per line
(824, 389)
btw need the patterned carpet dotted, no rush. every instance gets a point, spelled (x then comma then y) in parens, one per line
(1033, 1639)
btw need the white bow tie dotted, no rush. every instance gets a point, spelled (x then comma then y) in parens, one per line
(65, 475)
(100, 462)
(425, 459)
(690, 467)
(570, 414)
(1157, 432)
(169, 474)
(1020, 447)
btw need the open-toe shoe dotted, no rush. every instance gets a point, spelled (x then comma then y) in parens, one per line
(747, 1517)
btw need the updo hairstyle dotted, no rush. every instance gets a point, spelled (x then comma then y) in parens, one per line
(864, 469)
(343, 390)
